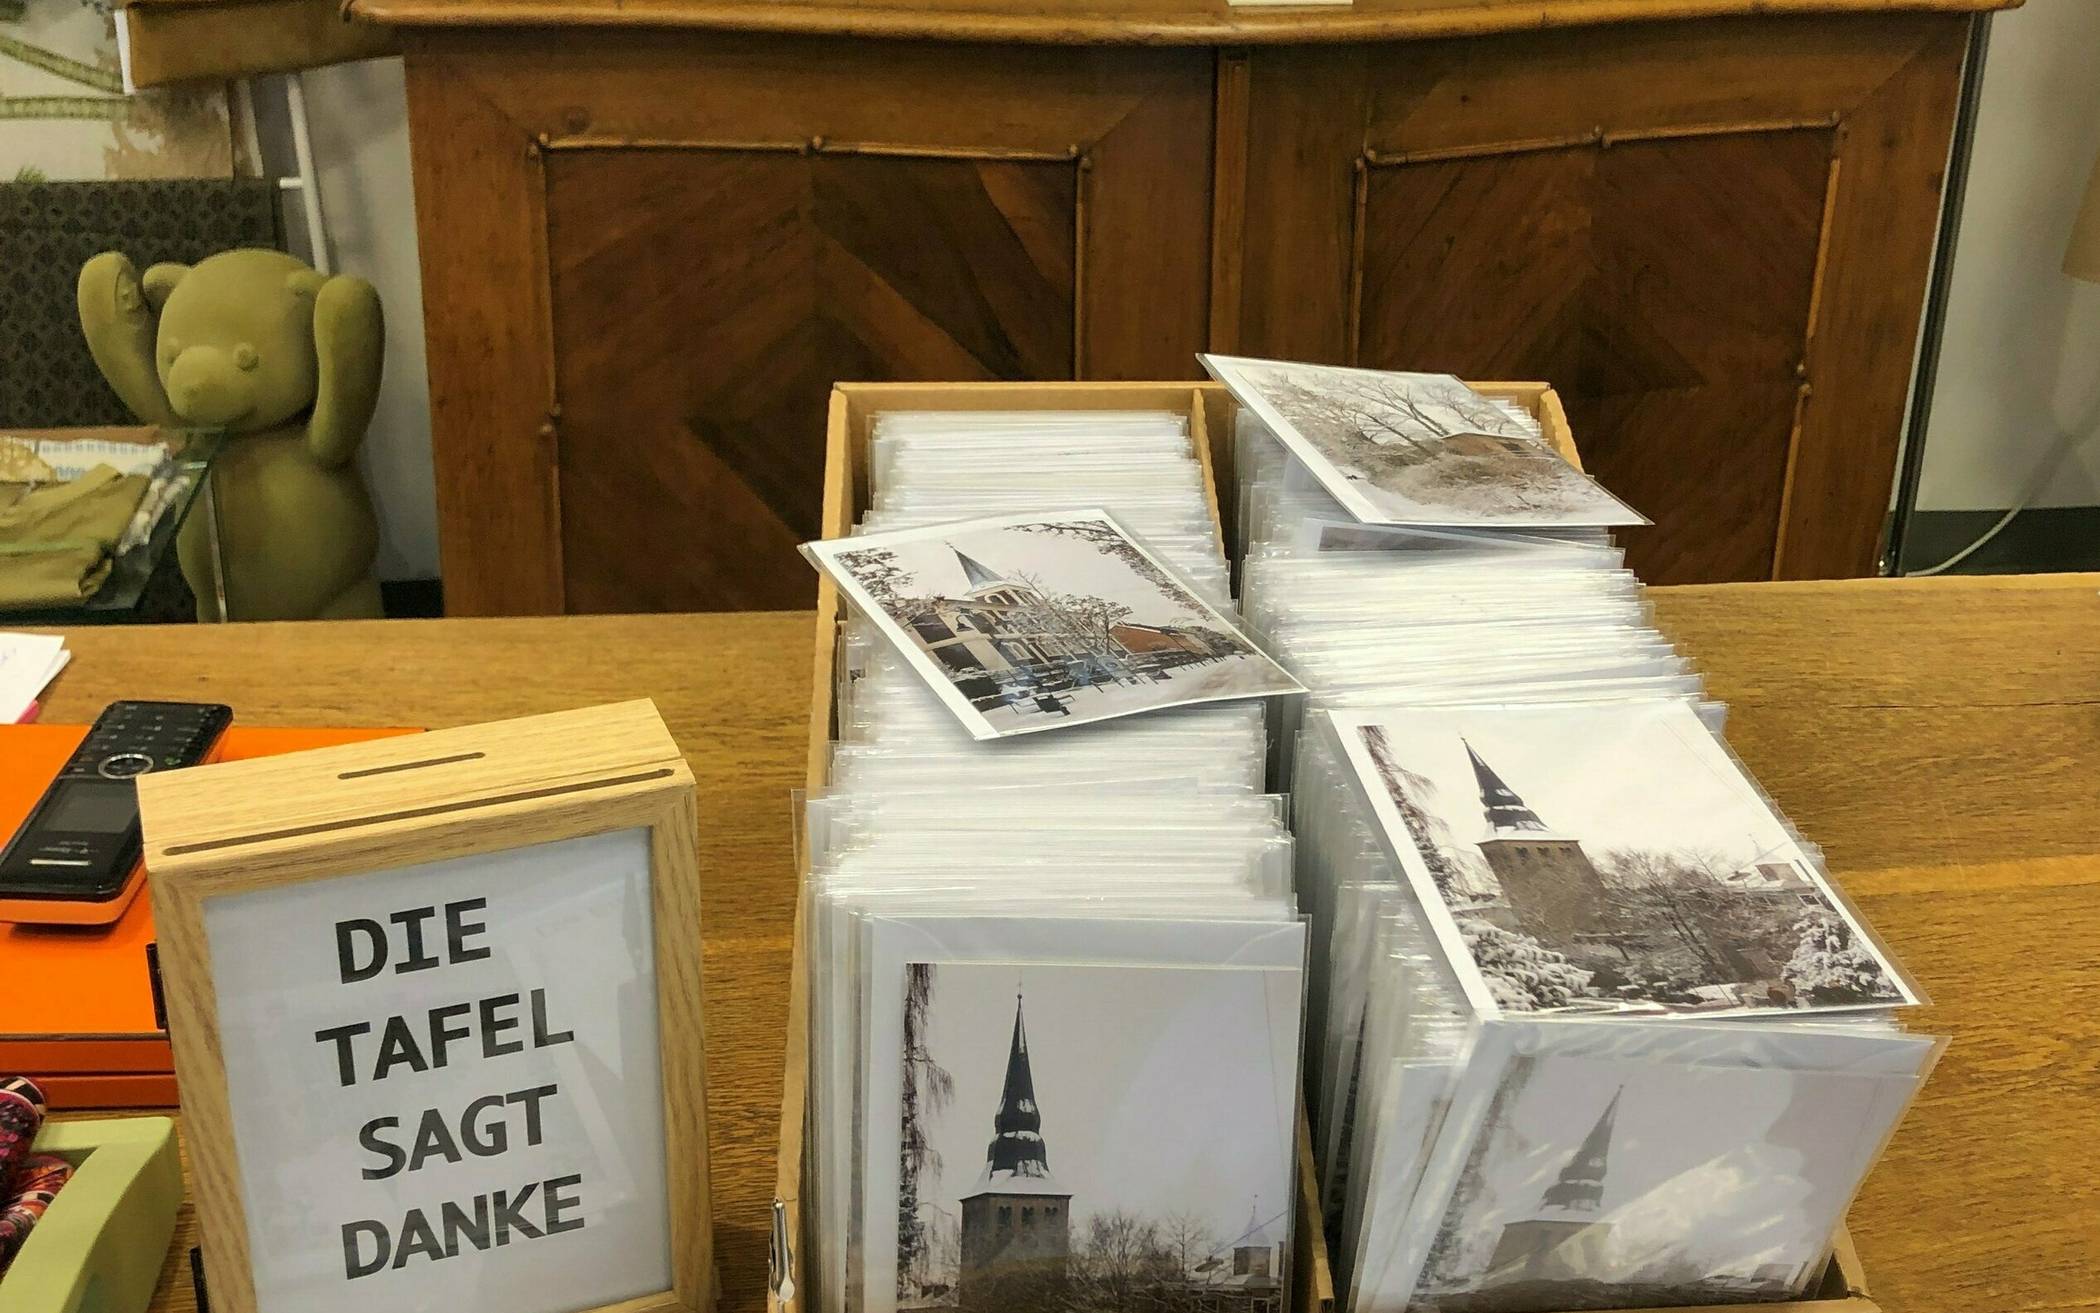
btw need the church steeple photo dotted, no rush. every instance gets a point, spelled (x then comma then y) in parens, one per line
(1548, 881)
(1017, 1148)
(1563, 1240)
(975, 572)
(1505, 810)
(1581, 1183)
(1016, 1221)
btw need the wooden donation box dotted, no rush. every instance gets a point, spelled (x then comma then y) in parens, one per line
(435, 1006)
(655, 232)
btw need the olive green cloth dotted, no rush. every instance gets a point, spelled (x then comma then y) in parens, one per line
(56, 540)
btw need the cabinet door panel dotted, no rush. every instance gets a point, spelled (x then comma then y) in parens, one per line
(1663, 287)
(704, 302)
(1712, 236)
(648, 255)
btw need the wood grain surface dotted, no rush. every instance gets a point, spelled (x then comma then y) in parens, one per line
(1152, 22)
(655, 231)
(692, 236)
(1711, 238)
(1940, 739)
(706, 300)
(1663, 286)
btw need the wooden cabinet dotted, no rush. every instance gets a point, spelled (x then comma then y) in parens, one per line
(1712, 238)
(655, 232)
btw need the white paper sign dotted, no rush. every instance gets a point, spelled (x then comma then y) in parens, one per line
(446, 1085)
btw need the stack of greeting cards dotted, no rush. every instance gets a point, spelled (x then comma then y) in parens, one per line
(1057, 962)
(1590, 1026)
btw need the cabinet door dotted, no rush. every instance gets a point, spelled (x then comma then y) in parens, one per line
(694, 238)
(1712, 238)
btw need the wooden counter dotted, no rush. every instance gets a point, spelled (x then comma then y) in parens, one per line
(1940, 739)
(655, 232)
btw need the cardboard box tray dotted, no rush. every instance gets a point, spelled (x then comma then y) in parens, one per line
(1211, 412)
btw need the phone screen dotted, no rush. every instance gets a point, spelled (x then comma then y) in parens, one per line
(92, 807)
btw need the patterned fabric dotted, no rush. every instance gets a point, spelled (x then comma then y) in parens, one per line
(35, 1184)
(49, 229)
(27, 1180)
(21, 1113)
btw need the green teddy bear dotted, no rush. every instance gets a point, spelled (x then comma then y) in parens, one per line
(286, 360)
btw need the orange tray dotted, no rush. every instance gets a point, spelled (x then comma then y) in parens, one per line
(77, 1010)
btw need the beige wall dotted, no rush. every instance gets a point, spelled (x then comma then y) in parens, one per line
(357, 115)
(2019, 361)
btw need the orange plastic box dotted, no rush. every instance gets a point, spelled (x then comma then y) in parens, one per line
(77, 1007)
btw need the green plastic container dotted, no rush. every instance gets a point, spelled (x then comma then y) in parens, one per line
(100, 1247)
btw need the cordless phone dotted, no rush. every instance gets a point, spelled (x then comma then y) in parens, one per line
(75, 861)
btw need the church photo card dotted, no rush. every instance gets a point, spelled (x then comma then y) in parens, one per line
(1080, 1137)
(1423, 449)
(1609, 858)
(1647, 1164)
(1029, 622)
(901, 956)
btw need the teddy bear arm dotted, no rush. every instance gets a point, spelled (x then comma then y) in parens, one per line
(349, 342)
(121, 329)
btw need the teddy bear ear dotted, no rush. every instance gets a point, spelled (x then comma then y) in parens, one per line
(304, 283)
(160, 280)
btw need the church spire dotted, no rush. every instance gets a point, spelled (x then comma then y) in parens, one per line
(1017, 1148)
(1505, 810)
(976, 572)
(1581, 1184)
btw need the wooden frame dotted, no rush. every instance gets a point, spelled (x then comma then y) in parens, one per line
(492, 112)
(372, 807)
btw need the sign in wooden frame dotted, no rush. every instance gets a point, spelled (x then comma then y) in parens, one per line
(435, 1008)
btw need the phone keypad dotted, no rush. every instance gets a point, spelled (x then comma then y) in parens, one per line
(134, 738)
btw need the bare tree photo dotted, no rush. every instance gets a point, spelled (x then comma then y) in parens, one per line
(927, 1091)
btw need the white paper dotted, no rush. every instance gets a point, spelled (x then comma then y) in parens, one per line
(568, 923)
(28, 663)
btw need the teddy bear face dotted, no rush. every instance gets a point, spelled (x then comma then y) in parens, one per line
(235, 348)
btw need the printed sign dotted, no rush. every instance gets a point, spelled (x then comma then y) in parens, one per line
(435, 1008)
(441, 1086)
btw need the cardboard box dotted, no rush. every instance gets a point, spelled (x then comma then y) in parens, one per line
(1212, 415)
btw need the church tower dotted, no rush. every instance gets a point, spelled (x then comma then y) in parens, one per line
(1255, 1252)
(1016, 1220)
(976, 573)
(1563, 1240)
(1547, 879)
(988, 585)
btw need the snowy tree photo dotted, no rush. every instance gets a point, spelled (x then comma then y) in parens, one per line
(1400, 448)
